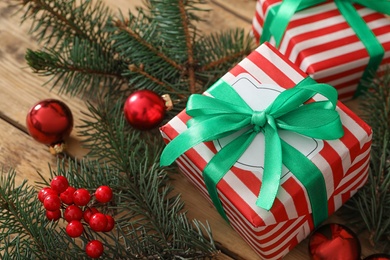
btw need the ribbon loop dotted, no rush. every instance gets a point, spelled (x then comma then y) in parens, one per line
(289, 111)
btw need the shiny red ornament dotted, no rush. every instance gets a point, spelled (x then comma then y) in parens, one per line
(81, 197)
(52, 202)
(74, 228)
(378, 257)
(94, 249)
(49, 121)
(334, 241)
(144, 109)
(103, 194)
(53, 215)
(98, 222)
(59, 184)
(44, 192)
(73, 212)
(88, 213)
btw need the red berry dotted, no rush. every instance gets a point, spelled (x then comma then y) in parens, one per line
(67, 195)
(53, 215)
(98, 222)
(44, 192)
(59, 183)
(74, 228)
(103, 194)
(94, 249)
(81, 197)
(52, 202)
(88, 213)
(110, 223)
(73, 212)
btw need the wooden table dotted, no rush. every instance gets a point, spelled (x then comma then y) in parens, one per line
(20, 89)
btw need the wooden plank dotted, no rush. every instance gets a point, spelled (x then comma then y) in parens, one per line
(243, 9)
(20, 89)
(19, 152)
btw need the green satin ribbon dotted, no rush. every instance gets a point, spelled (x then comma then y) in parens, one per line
(227, 113)
(279, 16)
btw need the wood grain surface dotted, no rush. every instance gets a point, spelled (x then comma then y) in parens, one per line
(20, 89)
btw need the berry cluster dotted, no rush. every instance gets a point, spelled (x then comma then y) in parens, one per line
(62, 199)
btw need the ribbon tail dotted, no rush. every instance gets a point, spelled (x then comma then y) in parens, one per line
(221, 163)
(272, 167)
(367, 37)
(311, 177)
(282, 18)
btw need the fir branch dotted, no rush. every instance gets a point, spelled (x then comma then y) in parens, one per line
(140, 70)
(79, 68)
(224, 48)
(56, 21)
(124, 27)
(372, 202)
(141, 48)
(146, 204)
(157, 48)
(24, 231)
(78, 54)
(189, 45)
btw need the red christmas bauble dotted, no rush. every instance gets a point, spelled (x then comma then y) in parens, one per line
(94, 249)
(49, 121)
(144, 109)
(334, 241)
(98, 222)
(103, 194)
(378, 257)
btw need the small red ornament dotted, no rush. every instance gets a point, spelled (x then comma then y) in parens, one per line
(110, 223)
(88, 213)
(53, 215)
(144, 109)
(73, 212)
(74, 228)
(59, 184)
(49, 121)
(94, 249)
(52, 202)
(67, 195)
(98, 222)
(378, 257)
(103, 194)
(334, 241)
(81, 197)
(42, 194)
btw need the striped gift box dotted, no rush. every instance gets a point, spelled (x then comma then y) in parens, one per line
(322, 44)
(343, 162)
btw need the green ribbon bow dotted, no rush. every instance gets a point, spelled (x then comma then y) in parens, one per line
(279, 16)
(227, 113)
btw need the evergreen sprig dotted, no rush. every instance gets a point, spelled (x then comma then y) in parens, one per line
(372, 202)
(87, 50)
(157, 48)
(77, 54)
(25, 232)
(146, 203)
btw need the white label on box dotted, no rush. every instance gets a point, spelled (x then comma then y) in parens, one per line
(259, 97)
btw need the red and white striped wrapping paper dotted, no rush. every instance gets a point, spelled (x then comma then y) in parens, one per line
(343, 162)
(322, 44)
